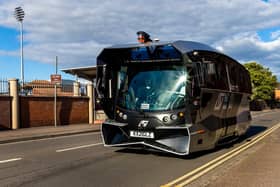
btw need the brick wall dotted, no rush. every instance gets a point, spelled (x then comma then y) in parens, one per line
(5, 112)
(39, 111)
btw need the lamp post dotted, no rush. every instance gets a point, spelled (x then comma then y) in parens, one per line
(19, 14)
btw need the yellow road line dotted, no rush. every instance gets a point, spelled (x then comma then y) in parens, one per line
(218, 161)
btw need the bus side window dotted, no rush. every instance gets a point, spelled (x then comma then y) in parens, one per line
(234, 75)
(222, 80)
(210, 74)
(199, 74)
(244, 80)
(193, 80)
(100, 85)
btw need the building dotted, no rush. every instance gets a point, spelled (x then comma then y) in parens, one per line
(277, 92)
(46, 88)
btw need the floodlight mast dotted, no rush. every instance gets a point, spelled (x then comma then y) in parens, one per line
(19, 15)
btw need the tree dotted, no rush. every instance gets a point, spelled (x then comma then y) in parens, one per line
(263, 81)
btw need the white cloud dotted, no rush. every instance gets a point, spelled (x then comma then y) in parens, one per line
(249, 47)
(274, 35)
(69, 54)
(77, 30)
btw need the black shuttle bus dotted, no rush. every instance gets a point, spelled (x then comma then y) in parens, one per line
(177, 97)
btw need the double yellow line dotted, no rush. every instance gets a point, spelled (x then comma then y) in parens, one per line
(195, 174)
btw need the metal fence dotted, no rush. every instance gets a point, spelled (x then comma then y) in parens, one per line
(45, 88)
(42, 88)
(4, 87)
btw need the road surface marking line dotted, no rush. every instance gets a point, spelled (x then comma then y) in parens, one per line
(184, 183)
(50, 138)
(264, 113)
(10, 160)
(220, 159)
(78, 147)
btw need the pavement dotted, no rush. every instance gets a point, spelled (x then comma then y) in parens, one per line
(9, 136)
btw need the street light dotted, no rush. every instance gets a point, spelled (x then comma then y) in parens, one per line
(19, 14)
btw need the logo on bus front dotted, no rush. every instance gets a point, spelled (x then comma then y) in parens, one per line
(143, 123)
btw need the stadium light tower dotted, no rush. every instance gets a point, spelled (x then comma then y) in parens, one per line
(19, 14)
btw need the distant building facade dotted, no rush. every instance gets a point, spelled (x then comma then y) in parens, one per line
(277, 92)
(46, 88)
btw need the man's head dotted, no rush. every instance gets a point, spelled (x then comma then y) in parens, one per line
(143, 37)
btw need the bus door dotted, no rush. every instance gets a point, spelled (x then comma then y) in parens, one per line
(105, 88)
(234, 99)
(222, 105)
(216, 82)
(231, 115)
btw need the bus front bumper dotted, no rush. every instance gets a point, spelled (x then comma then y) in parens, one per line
(171, 139)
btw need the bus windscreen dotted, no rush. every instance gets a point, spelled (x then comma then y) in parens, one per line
(152, 88)
(164, 52)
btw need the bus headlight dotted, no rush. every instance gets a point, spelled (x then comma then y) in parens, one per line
(165, 119)
(174, 117)
(124, 117)
(181, 114)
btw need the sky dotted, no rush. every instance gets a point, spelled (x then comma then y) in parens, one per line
(77, 31)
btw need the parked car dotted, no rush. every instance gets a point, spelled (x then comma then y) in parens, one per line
(258, 105)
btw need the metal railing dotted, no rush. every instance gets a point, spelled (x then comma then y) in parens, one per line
(4, 87)
(45, 88)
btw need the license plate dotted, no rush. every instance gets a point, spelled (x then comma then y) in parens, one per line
(141, 134)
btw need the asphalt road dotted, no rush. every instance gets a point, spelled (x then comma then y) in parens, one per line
(81, 160)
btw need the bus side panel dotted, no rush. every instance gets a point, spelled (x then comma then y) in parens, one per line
(210, 118)
(231, 123)
(238, 114)
(243, 115)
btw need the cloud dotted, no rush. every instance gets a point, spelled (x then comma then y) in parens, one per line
(275, 35)
(71, 54)
(249, 47)
(76, 31)
(8, 53)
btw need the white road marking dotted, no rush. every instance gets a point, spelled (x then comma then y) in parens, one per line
(53, 138)
(10, 160)
(78, 147)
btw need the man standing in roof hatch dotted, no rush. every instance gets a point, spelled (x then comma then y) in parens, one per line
(143, 37)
